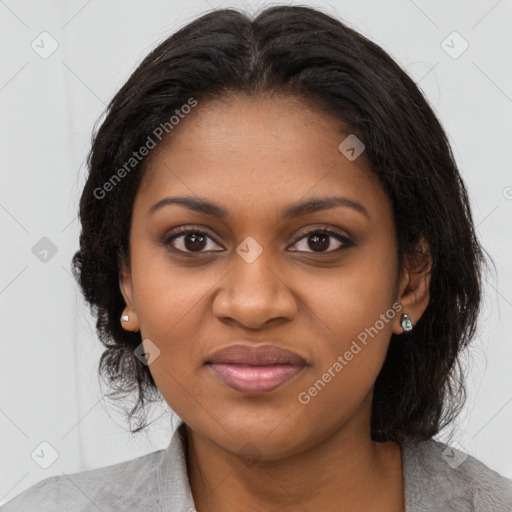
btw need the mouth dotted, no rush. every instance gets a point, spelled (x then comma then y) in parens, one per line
(255, 379)
(255, 370)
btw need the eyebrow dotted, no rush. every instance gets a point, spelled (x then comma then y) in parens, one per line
(297, 209)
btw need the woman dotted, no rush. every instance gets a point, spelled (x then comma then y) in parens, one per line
(276, 240)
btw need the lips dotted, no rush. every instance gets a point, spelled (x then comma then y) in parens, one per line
(255, 370)
(261, 355)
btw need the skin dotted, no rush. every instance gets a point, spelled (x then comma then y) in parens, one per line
(254, 157)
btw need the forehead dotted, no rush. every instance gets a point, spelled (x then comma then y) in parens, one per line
(255, 152)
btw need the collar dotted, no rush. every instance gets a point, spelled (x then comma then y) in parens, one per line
(172, 480)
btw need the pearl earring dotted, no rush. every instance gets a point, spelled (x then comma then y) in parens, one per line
(406, 322)
(125, 318)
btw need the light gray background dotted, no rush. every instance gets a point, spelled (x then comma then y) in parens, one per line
(48, 107)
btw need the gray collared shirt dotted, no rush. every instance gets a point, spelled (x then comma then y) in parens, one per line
(436, 478)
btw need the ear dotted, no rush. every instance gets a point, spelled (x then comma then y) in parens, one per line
(414, 287)
(126, 287)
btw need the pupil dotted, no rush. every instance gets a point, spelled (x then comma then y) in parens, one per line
(194, 238)
(320, 242)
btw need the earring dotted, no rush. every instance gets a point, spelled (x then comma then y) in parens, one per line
(128, 323)
(406, 322)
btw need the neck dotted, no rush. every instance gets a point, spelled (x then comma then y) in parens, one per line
(345, 469)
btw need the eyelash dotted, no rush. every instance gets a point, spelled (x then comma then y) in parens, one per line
(325, 231)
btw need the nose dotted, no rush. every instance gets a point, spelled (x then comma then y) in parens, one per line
(254, 294)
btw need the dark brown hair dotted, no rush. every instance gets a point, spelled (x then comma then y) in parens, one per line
(302, 52)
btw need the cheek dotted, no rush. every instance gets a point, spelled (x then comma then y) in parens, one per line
(172, 306)
(167, 295)
(354, 320)
(355, 295)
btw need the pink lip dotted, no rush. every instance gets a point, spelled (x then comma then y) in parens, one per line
(255, 379)
(252, 369)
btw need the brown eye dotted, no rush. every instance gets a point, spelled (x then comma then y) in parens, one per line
(190, 241)
(319, 240)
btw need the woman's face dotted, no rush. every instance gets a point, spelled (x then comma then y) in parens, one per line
(259, 277)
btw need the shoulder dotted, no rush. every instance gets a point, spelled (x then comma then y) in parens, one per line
(439, 475)
(119, 487)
